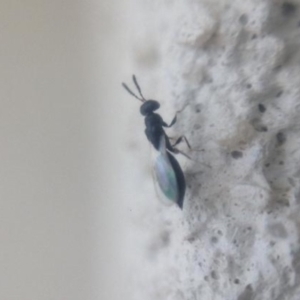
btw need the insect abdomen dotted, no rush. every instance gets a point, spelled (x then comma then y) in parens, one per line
(180, 179)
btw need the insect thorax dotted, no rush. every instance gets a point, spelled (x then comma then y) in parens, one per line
(154, 129)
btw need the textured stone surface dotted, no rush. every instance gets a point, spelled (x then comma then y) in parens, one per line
(236, 67)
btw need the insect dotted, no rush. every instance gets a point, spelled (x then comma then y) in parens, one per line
(167, 169)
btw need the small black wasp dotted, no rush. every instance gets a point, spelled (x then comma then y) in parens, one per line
(167, 169)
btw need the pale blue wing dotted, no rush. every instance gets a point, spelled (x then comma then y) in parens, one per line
(165, 175)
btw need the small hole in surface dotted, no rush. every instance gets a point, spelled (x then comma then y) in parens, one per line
(236, 154)
(258, 126)
(281, 138)
(279, 94)
(243, 19)
(214, 240)
(197, 126)
(261, 108)
(288, 9)
(198, 108)
(214, 275)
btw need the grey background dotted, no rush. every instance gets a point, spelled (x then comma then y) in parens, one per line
(63, 159)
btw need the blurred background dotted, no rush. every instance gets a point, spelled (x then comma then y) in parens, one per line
(66, 183)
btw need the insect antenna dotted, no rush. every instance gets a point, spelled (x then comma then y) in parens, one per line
(138, 87)
(131, 92)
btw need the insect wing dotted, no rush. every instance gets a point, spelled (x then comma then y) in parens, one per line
(165, 175)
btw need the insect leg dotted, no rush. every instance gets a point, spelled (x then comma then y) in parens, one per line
(176, 151)
(180, 139)
(172, 123)
(183, 137)
(174, 119)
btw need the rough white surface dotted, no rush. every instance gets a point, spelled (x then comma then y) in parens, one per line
(236, 65)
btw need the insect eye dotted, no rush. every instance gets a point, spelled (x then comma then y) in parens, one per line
(148, 107)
